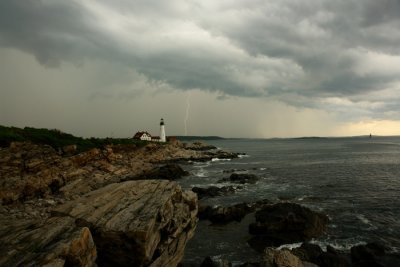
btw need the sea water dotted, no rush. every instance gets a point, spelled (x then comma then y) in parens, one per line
(355, 181)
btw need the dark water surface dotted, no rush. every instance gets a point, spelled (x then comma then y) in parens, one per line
(355, 181)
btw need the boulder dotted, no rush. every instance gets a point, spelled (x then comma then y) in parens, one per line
(371, 254)
(52, 242)
(213, 191)
(285, 223)
(329, 259)
(280, 258)
(241, 178)
(137, 223)
(308, 252)
(223, 215)
(211, 262)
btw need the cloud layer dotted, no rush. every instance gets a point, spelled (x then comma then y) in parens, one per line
(336, 56)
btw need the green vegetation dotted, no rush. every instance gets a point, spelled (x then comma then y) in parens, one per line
(57, 139)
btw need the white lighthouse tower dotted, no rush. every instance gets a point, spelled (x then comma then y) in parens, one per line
(162, 131)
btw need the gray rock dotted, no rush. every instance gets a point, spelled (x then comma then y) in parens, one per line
(241, 178)
(166, 172)
(373, 254)
(53, 242)
(211, 262)
(213, 191)
(285, 223)
(223, 215)
(280, 258)
(137, 223)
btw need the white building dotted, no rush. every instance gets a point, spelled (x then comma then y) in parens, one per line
(144, 136)
(163, 137)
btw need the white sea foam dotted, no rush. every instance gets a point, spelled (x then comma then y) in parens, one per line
(243, 156)
(290, 246)
(362, 218)
(202, 164)
(218, 159)
(344, 245)
(201, 173)
(282, 188)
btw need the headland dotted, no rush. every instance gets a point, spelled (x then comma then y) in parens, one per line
(69, 201)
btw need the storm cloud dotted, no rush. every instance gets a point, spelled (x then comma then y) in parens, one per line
(334, 56)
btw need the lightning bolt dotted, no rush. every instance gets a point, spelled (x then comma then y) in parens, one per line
(187, 112)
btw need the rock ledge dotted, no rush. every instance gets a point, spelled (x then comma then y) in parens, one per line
(137, 223)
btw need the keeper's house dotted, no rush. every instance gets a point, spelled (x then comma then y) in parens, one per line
(144, 136)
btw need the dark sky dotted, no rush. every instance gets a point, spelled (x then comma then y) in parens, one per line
(250, 68)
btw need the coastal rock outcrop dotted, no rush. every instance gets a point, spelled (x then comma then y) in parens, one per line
(280, 258)
(136, 223)
(373, 254)
(329, 258)
(241, 178)
(222, 215)
(166, 172)
(140, 223)
(30, 171)
(285, 223)
(200, 146)
(211, 262)
(308, 252)
(213, 191)
(270, 258)
(52, 242)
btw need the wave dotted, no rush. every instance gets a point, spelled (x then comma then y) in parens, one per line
(340, 245)
(201, 164)
(201, 173)
(290, 246)
(365, 221)
(362, 218)
(218, 159)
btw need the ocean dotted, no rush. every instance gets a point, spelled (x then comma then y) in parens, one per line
(355, 181)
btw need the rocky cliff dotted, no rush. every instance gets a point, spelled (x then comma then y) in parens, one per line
(30, 171)
(88, 209)
(53, 242)
(134, 223)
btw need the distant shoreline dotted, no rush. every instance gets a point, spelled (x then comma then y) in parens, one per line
(57, 138)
